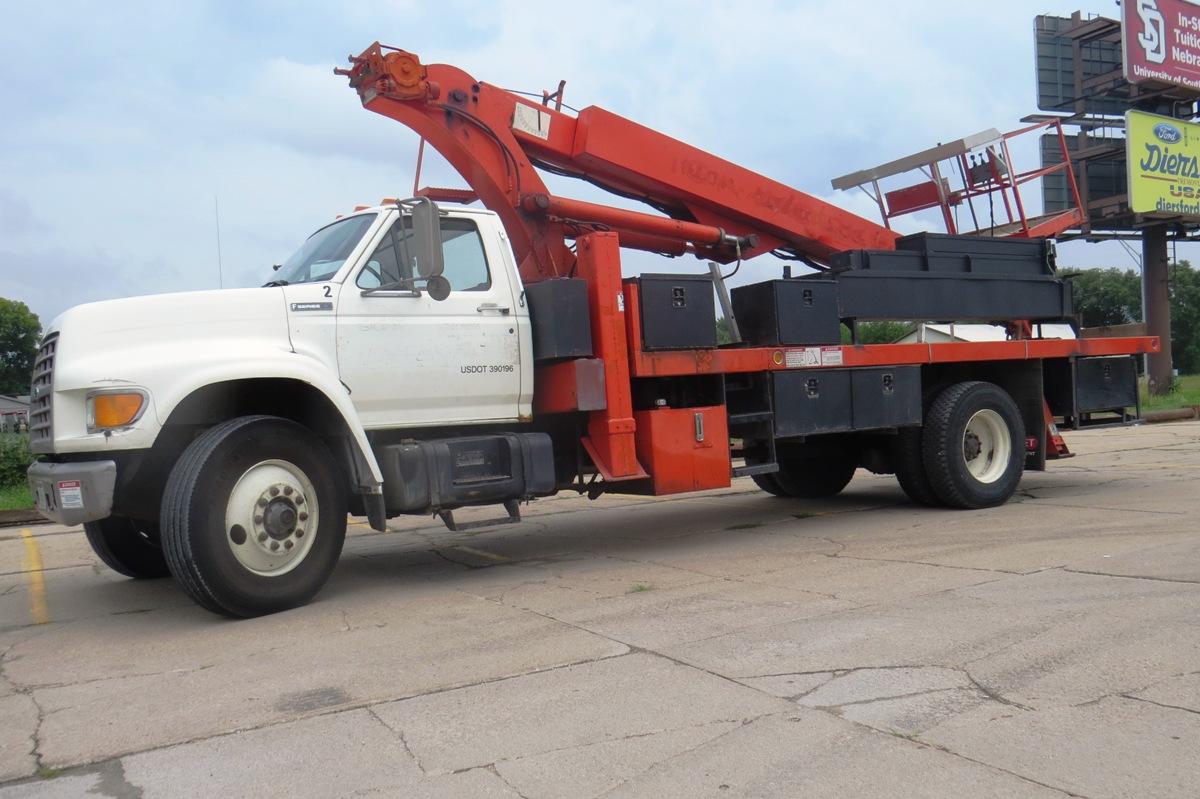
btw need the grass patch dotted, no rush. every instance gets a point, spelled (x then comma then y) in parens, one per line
(1185, 394)
(744, 526)
(638, 588)
(47, 773)
(15, 497)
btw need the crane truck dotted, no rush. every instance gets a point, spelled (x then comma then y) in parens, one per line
(418, 358)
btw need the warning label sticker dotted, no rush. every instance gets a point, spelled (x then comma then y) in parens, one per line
(797, 359)
(70, 494)
(812, 356)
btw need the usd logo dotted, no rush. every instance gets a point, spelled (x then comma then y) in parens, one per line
(1168, 133)
(1153, 37)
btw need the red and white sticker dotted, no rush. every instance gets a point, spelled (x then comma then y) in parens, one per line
(70, 494)
(813, 356)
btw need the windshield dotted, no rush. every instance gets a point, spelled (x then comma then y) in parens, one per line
(324, 253)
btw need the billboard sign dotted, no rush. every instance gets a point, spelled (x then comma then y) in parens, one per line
(1164, 165)
(1057, 67)
(1161, 41)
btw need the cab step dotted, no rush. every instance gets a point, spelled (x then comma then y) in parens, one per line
(511, 506)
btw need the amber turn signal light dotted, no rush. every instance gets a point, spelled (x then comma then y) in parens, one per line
(115, 410)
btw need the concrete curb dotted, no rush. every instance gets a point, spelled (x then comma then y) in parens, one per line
(1173, 415)
(11, 517)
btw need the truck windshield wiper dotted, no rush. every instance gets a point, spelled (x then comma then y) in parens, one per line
(270, 283)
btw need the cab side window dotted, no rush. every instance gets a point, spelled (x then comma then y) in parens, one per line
(462, 254)
(462, 251)
(383, 267)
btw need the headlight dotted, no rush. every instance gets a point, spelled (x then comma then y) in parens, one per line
(109, 410)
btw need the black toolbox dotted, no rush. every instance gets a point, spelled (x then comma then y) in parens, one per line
(811, 401)
(562, 325)
(787, 313)
(678, 312)
(936, 277)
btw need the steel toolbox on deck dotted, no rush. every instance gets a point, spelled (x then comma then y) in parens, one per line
(678, 312)
(937, 277)
(787, 312)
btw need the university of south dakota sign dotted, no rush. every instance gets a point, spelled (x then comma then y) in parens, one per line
(1161, 41)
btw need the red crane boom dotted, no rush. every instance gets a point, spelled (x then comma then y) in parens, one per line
(495, 139)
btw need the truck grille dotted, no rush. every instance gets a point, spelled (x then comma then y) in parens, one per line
(41, 397)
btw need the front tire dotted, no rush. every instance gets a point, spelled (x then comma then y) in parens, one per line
(253, 516)
(128, 547)
(974, 445)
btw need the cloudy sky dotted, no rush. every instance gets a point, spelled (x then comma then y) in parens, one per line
(123, 121)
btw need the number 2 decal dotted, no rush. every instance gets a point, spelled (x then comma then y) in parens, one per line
(328, 291)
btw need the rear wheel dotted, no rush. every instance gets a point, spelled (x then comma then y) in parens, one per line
(809, 478)
(974, 445)
(254, 516)
(909, 463)
(127, 547)
(767, 483)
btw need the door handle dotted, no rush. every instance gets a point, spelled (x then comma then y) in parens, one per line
(494, 308)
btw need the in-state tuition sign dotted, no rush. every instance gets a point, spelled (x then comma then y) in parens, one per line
(1161, 41)
(1164, 164)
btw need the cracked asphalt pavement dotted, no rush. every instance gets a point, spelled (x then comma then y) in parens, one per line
(725, 644)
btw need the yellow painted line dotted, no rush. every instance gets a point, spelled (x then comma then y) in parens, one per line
(489, 555)
(32, 563)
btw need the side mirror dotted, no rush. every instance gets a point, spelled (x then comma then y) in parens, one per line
(437, 287)
(427, 238)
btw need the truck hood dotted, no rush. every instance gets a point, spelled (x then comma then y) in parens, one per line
(112, 341)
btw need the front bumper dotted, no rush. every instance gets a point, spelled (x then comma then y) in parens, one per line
(73, 493)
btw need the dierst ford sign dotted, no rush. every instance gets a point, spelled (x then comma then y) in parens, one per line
(1164, 165)
(1161, 41)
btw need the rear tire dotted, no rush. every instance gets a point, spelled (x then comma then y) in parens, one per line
(767, 483)
(128, 547)
(974, 445)
(253, 516)
(909, 463)
(809, 478)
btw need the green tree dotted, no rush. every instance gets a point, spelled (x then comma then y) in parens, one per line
(1185, 317)
(879, 332)
(1106, 297)
(724, 331)
(20, 330)
(1114, 297)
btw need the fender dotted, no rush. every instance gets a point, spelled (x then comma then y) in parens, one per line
(280, 364)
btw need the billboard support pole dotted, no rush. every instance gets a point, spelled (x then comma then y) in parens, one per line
(1156, 300)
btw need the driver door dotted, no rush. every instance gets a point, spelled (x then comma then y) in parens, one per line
(411, 361)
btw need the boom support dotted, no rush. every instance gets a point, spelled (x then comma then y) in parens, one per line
(496, 140)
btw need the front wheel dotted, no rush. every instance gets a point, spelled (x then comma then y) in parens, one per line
(127, 546)
(253, 517)
(974, 445)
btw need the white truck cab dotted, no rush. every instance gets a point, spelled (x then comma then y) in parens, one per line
(223, 435)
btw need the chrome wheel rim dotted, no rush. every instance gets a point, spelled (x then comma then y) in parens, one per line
(271, 518)
(987, 446)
